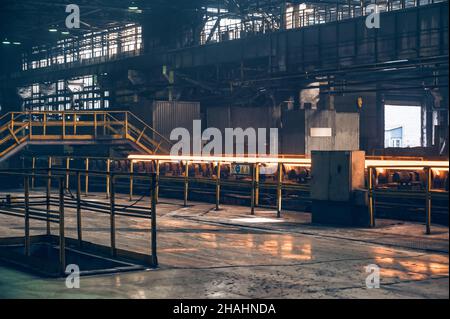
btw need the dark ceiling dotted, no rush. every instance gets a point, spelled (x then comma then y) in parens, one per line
(28, 21)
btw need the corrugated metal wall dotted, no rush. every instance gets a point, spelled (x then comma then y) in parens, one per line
(170, 115)
(218, 117)
(241, 117)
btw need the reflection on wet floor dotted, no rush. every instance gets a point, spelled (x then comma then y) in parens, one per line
(225, 254)
(284, 247)
(394, 266)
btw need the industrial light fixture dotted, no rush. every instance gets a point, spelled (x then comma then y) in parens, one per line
(133, 6)
(6, 41)
(53, 29)
(65, 32)
(17, 43)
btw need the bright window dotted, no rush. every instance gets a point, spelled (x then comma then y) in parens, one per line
(402, 126)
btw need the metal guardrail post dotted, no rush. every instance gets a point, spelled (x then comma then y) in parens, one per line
(13, 125)
(158, 167)
(252, 199)
(30, 123)
(74, 124)
(86, 178)
(48, 194)
(371, 201)
(8, 200)
(63, 125)
(186, 183)
(104, 124)
(33, 167)
(95, 125)
(67, 173)
(218, 186)
(153, 220)
(26, 184)
(126, 126)
(279, 189)
(257, 184)
(428, 199)
(112, 216)
(45, 124)
(131, 179)
(62, 239)
(79, 225)
(108, 172)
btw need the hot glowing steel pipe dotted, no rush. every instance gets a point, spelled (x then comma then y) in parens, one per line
(406, 164)
(222, 159)
(387, 164)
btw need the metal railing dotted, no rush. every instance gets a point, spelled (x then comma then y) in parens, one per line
(184, 179)
(298, 17)
(41, 208)
(427, 195)
(17, 128)
(192, 181)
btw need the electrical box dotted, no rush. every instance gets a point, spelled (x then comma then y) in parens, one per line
(337, 188)
(336, 174)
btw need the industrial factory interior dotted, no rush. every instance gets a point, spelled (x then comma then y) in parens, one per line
(224, 150)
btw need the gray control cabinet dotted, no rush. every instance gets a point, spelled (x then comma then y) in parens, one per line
(335, 177)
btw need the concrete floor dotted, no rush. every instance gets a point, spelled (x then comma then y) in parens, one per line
(230, 254)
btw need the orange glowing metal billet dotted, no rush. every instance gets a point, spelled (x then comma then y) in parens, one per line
(387, 164)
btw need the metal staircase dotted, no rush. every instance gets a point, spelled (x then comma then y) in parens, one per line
(18, 129)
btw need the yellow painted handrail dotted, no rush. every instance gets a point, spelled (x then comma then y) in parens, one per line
(19, 127)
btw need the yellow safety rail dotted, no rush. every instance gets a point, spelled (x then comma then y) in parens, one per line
(19, 128)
